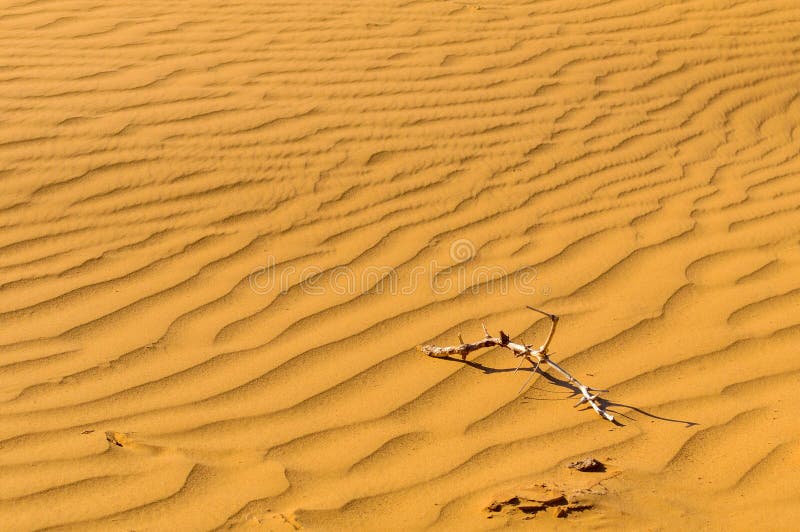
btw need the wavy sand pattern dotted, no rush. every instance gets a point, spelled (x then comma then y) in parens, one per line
(638, 157)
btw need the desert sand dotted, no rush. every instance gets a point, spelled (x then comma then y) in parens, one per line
(226, 227)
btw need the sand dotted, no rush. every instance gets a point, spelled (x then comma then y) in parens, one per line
(225, 226)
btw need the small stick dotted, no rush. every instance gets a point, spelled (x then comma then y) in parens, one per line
(535, 369)
(526, 352)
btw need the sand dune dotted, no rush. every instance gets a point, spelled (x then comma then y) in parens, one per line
(224, 228)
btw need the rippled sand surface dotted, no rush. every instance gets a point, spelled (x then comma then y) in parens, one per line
(225, 227)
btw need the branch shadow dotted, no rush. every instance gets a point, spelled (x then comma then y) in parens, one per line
(575, 391)
(605, 403)
(479, 366)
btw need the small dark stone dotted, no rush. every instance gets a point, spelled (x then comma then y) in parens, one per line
(588, 465)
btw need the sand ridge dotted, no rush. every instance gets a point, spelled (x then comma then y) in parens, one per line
(201, 206)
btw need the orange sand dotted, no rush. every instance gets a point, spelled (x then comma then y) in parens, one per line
(638, 160)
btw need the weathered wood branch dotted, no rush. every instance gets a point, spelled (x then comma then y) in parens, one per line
(526, 352)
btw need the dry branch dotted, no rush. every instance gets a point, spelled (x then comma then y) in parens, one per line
(526, 352)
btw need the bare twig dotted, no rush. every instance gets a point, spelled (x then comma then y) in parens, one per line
(526, 352)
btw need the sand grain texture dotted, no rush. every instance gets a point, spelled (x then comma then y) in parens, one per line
(159, 161)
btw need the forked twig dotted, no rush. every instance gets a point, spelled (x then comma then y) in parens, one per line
(526, 351)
